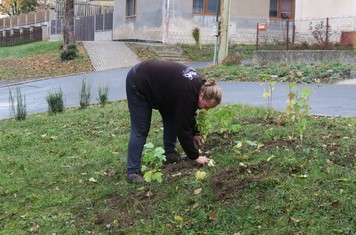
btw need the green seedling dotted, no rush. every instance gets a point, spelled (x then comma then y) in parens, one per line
(152, 160)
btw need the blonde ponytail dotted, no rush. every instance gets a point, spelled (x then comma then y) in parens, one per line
(211, 91)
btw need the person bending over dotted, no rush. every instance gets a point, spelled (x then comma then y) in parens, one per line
(176, 91)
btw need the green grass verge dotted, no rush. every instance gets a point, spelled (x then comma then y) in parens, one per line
(40, 60)
(319, 72)
(29, 49)
(65, 174)
(206, 53)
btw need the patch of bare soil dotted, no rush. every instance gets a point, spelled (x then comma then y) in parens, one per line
(218, 140)
(228, 183)
(178, 170)
(118, 212)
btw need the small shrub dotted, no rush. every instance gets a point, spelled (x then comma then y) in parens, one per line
(55, 101)
(85, 94)
(103, 95)
(321, 33)
(70, 54)
(232, 59)
(152, 163)
(196, 36)
(18, 107)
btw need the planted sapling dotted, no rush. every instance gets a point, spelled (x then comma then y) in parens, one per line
(298, 106)
(152, 163)
(267, 94)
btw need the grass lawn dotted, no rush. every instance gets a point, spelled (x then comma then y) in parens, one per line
(65, 174)
(40, 60)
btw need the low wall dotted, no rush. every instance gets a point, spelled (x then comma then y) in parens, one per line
(305, 56)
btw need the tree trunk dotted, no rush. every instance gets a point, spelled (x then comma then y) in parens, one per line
(68, 30)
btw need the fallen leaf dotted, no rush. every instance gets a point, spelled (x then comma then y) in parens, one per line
(177, 174)
(149, 194)
(302, 176)
(200, 175)
(285, 208)
(35, 227)
(169, 226)
(178, 218)
(212, 216)
(279, 120)
(294, 220)
(93, 180)
(198, 191)
(335, 203)
(269, 159)
(211, 163)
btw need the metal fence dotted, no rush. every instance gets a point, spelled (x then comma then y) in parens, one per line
(85, 26)
(313, 33)
(83, 9)
(30, 18)
(20, 36)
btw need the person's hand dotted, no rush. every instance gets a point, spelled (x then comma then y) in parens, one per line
(202, 160)
(198, 140)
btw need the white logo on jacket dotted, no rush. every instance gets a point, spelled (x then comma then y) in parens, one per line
(190, 73)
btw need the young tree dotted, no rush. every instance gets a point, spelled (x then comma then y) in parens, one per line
(68, 30)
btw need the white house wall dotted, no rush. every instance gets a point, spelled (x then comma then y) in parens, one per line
(308, 13)
(324, 8)
(144, 26)
(154, 23)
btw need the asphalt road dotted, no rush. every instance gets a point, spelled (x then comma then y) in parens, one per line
(328, 100)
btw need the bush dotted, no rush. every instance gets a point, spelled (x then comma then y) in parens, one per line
(85, 94)
(103, 95)
(70, 54)
(232, 59)
(55, 101)
(18, 107)
(196, 36)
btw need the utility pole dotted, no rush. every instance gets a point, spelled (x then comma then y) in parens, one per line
(217, 32)
(224, 33)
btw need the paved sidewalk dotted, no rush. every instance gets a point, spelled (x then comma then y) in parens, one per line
(106, 55)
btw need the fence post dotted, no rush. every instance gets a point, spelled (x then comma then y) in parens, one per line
(44, 32)
(293, 33)
(287, 39)
(327, 32)
(257, 37)
(104, 15)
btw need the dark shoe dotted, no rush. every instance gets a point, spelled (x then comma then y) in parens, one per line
(135, 178)
(174, 157)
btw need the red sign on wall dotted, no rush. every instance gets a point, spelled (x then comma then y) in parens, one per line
(261, 27)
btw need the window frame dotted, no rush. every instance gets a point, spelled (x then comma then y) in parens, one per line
(205, 10)
(128, 9)
(279, 10)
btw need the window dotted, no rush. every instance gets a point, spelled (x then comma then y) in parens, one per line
(208, 7)
(281, 9)
(130, 7)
